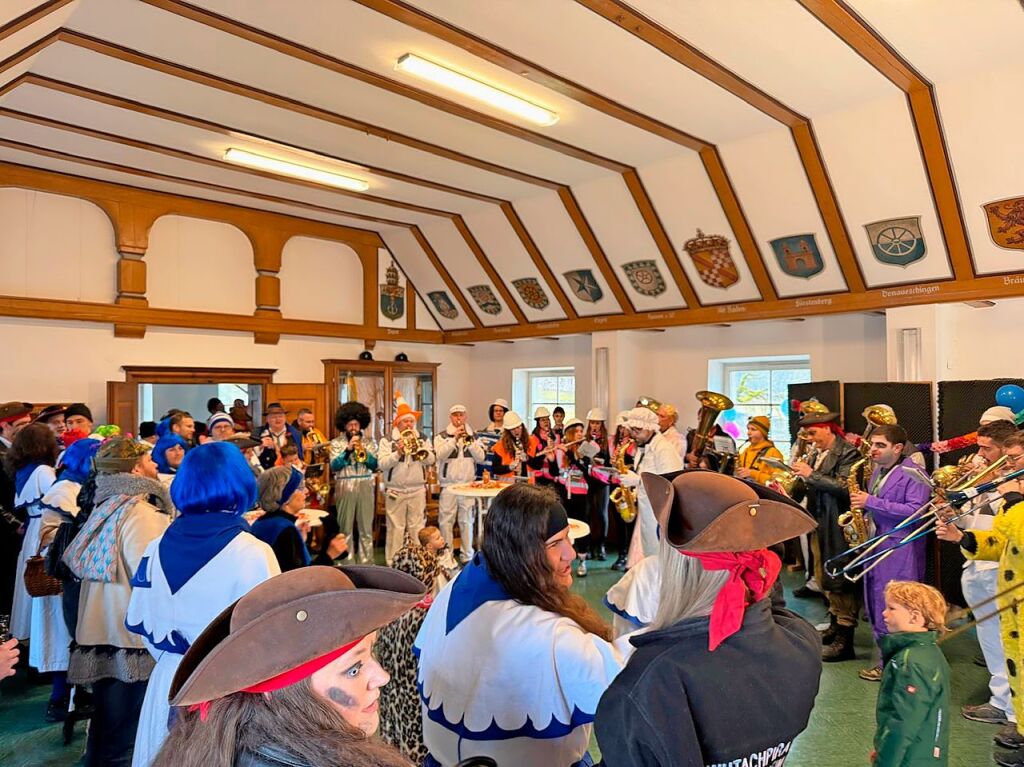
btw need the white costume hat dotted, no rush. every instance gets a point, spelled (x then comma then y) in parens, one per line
(596, 414)
(512, 421)
(456, 409)
(642, 418)
(501, 403)
(541, 412)
(622, 418)
(997, 413)
(572, 422)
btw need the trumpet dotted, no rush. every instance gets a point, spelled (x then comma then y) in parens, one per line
(358, 451)
(413, 445)
(954, 486)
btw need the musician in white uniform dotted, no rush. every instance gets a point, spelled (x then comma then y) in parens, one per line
(457, 452)
(658, 456)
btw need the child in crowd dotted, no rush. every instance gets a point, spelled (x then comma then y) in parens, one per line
(912, 712)
(290, 456)
(431, 539)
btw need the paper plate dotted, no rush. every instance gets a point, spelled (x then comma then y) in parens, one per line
(578, 529)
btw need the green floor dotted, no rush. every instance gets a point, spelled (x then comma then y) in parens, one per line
(839, 734)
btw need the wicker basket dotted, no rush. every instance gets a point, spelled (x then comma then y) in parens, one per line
(37, 582)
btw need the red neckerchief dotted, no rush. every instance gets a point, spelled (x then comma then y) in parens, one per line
(755, 571)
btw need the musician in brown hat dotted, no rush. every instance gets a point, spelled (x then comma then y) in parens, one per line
(285, 675)
(703, 686)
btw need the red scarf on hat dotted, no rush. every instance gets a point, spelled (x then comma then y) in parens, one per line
(755, 571)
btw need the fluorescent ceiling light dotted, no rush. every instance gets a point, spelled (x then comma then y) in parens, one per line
(242, 157)
(467, 86)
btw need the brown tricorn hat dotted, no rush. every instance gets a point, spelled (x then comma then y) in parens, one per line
(813, 419)
(703, 511)
(288, 621)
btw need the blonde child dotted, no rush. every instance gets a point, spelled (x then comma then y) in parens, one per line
(431, 539)
(912, 712)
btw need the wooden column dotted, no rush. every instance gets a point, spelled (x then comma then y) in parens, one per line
(131, 226)
(267, 246)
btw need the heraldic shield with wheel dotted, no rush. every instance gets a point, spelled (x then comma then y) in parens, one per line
(897, 241)
(531, 292)
(392, 295)
(710, 254)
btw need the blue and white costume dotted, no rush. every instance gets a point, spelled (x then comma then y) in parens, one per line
(185, 579)
(511, 681)
(634, 599)
(30, 492)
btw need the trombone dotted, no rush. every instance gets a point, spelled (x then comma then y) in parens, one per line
(1013, 604)
(952, 490)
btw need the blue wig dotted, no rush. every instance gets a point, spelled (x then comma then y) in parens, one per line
(214, 477)
(77, 459)
(165, 443)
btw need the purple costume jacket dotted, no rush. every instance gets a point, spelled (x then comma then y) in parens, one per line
(897, 499)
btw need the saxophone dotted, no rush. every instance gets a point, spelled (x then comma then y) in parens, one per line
(853, 522)
(624, 498)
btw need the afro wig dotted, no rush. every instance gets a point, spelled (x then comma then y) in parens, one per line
(349, 411)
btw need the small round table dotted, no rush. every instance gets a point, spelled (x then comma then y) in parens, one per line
(482, 497)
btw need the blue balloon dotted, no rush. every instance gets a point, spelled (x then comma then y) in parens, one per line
(1011, 396)
(784, 407)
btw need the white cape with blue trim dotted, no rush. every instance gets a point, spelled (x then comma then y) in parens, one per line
(634, 599)
(170, 621)
(509, 681)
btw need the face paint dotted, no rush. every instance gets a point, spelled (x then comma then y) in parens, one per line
(341, 697)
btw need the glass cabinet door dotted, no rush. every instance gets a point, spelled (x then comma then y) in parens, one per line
(418, 390)
(370, 388)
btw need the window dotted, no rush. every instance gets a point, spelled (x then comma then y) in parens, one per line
(551, 388)
(762, 388)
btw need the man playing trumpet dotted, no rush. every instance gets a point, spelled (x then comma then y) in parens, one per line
(891, 496)
(354, 461)
(458, 451)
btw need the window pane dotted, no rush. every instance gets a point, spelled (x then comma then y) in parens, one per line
(781, 379)
(750, 386)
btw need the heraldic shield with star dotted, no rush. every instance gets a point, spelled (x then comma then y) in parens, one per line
(645, 277)
(584, 286)
(531, 292)
(710, 254)
(798, 255)
(897, 241)
(1006, 222)
(485, 298)
(443, 304)
(392, 295)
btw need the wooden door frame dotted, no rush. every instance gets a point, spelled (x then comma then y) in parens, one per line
(163, 374)
(332, 367)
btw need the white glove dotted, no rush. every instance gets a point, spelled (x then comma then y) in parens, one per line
(629, 479)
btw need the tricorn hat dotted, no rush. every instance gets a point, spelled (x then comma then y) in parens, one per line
(703, 511)
(11, 411)
(275, 408)
(48, 412)
(288, 622)
(813, 419)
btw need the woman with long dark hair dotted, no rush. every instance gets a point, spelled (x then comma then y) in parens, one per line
(40, 620)
(512, 664)
(597, 449)
(309, 697)
(515, 454)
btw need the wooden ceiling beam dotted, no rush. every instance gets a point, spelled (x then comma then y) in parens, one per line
(67, 157)
(477, 46)
(149, 110)
(29, 51)
(213, 162)
(579, 220)
(849, 27)
(332, 64)
(661, 238)
(224, 85)
(31, 16)
(674, 47)
(538, 260)
(446, 276)
(488, 267)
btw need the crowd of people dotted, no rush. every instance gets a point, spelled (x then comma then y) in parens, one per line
(205, 593)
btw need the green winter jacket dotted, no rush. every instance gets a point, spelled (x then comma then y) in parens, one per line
(913, 702)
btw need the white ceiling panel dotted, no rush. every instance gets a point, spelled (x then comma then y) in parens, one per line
(625, 238)
(773, 189)
(144, 27)
(460, 262)
(86, 113)
(599, 55)
(778, 46)
(414, 262)
(875, 165)
(558, 240)
(424, 319)
(686, 202)
(82, 67)
(510, 259)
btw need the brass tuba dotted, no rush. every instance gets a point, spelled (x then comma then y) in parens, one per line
(413, 445)
(624, 498)
(711, 404)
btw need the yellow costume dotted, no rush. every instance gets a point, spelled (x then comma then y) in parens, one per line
(750, 458)
(1004, 544)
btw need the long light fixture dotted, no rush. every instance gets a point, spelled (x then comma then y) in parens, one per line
(475, 89)
(285, 168)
